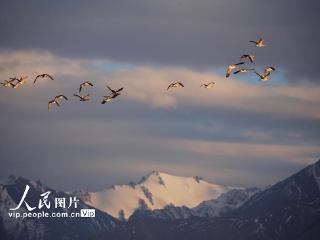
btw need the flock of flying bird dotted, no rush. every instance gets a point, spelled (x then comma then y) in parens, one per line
(267, 70)
(231, 69)
(17, 82)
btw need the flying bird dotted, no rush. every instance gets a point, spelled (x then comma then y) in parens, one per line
(264, 77)
(43, 76)
(57, 100)
(208, 85)
(243, 70)
(231, 67)
(14, 82)
(115, 93)
(250, 57)
(85, 84)
(54, 101)
(259, 43)
(268, 70)
(176, 84)
(82, 98)
(7, 83)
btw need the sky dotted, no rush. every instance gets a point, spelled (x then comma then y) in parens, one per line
(243, 132)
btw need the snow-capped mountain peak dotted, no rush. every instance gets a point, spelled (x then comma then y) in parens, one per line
(155, 191)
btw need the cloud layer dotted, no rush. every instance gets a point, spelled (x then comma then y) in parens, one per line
(231, 134)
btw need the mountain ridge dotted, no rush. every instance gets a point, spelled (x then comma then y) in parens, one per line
(289, 209)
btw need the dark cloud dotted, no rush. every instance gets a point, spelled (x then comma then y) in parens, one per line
(94, 147)
(198, 34)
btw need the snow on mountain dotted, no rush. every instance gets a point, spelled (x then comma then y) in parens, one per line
(286, 210)
(226, 202)
(289, 209)
(155, 191)
(218, 207)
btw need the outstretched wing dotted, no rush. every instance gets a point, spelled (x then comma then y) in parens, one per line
(22, 78)
(258, 74)
(49, 76)
(170, 86)
(113, 91)
(36, 79)
(119, 90)
(62, 96)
